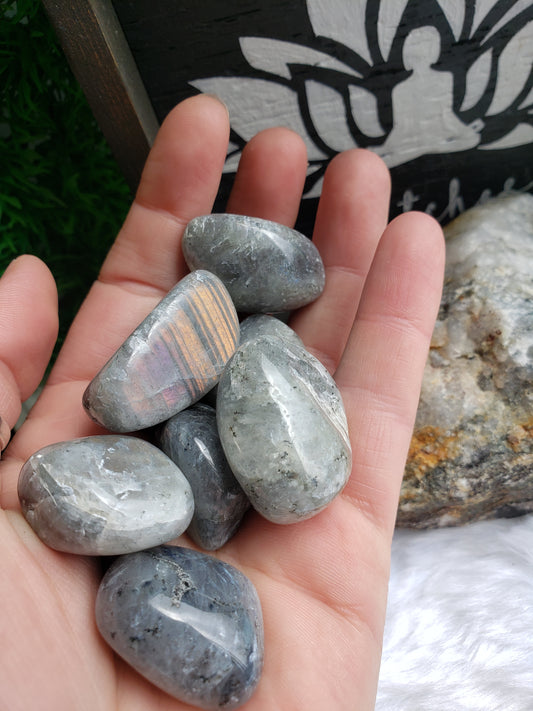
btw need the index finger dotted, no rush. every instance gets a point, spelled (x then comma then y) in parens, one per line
(180, 181)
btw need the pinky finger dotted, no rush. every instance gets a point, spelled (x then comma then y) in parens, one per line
(381, 370)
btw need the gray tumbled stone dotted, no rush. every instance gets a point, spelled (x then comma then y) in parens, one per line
(104, 495)
(190, 624)
(265, 325)
(471, 455)
(173, 358)
(191, 440)
(260, 325)
(265, 266)
(283, 427)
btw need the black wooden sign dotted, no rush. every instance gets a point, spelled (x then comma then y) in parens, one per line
(441, 89)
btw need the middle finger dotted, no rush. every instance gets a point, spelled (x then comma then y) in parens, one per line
(271, 176)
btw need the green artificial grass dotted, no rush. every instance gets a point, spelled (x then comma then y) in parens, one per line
(62, 196)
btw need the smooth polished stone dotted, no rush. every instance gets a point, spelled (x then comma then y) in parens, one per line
(191, 440)
(471, 455)
(189, 623)
(265, 325)
(170, 361)
(265, 266)
(283, 427)
(104, 495)
(259, 325)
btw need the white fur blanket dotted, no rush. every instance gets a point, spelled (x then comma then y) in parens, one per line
(459, 629)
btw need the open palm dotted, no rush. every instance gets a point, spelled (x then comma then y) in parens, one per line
(322, 582)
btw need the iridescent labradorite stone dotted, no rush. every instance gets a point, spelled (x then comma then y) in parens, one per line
(170, 361)
(189, 623)
(104, 495)
(265, 266)
(191, 440)
(283, 427)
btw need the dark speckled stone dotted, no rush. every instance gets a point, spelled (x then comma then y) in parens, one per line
(191, 440)
(189, 623)
(265, 266)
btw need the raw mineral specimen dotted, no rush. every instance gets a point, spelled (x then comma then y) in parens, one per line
(471, 455)
(265, 266)
(170, 361)
(104, 495)
(283, 427)
(190, 438)
(189, 623)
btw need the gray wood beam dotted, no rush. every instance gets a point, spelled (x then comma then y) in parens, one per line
(96, 49)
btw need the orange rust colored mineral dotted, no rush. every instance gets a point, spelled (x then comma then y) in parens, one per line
(430, 446)
(518, 438)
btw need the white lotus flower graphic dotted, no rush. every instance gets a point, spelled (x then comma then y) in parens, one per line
(369, 82)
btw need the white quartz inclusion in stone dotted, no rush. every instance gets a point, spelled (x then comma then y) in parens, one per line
(104, 495)
(283, 427)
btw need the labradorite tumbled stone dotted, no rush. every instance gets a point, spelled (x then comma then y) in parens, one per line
(104, 495)
(265, 266)
(283, 427)
(170, 361)
(189, 623)
(265, 325)
(191, 440)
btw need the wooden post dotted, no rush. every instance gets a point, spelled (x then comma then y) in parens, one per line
(101, 60)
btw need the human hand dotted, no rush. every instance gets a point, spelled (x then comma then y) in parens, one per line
(322, 582)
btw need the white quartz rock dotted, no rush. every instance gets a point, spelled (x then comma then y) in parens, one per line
(471, 456)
